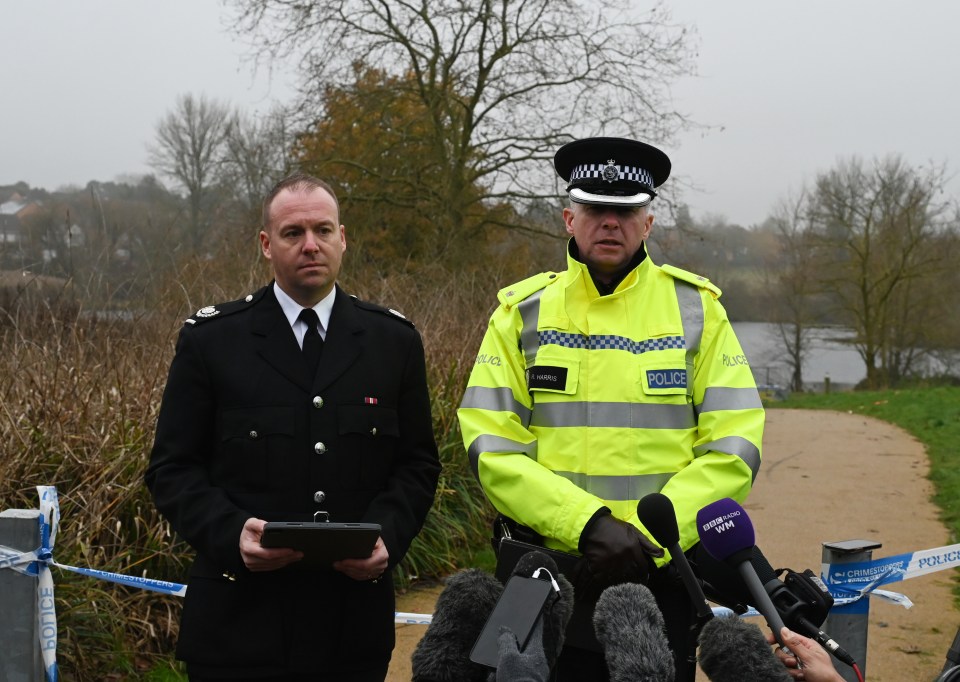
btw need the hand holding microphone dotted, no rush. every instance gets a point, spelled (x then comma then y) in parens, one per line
(814, 658)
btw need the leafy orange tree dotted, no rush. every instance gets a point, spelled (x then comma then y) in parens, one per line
(471, 100)
(376, 143)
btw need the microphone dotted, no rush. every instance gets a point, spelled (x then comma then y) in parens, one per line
(727, 534)
(630, 628)
(657, 514)
(733, 650)
(462, 608)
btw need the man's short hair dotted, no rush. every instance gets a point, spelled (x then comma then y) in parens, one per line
(298, 181)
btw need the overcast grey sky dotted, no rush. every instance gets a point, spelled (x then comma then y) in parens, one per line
(795, 86)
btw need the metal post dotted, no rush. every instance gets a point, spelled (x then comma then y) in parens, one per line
(20, 658)
(826, 384)
(847, 624)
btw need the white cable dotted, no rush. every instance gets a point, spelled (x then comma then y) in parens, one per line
(536, 574)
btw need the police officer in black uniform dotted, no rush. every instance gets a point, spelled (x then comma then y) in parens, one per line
(254, 429)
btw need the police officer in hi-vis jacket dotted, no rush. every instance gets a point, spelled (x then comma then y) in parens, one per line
(607, 381)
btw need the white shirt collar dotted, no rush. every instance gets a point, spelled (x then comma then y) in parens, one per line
(291, 309)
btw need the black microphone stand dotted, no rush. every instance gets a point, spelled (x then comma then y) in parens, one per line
(951, 666)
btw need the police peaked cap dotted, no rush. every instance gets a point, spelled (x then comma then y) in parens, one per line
(611, 171)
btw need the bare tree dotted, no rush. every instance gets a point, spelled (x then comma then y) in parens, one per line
(188, 149)
(792, 286)
(255, 156)
(875, 226)
(501, 83)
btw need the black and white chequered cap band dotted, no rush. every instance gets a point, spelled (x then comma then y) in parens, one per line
(600, 170)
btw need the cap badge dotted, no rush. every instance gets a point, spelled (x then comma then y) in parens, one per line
(610, 172)
(207, 311)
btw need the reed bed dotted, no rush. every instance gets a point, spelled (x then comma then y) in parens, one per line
(80, 395)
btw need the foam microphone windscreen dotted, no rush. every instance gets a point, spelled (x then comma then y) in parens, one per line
(559, 607)
(630, 628)
(733, 650)
(726, 531)
(657, 514)
(443, 653)
(531, 561)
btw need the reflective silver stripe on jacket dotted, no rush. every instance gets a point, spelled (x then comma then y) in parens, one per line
(718, 398)
(529, 309)
(691, 317)
(613, 415)
(734, 445)
(489, 443)
(495, 400)
(617, 488)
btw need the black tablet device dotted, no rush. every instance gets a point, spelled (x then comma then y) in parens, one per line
(322, 543)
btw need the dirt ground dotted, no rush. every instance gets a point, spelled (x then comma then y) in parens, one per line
(830, 476)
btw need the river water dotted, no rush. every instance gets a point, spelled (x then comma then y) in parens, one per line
(828, 356)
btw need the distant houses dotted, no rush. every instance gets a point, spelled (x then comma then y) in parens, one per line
(12, 212)
(17, 284)
(16, 213)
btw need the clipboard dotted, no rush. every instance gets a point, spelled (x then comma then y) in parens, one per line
(323, 542)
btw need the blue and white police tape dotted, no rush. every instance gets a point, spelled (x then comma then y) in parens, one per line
(403, 618)
(38, 562)
(853, 581)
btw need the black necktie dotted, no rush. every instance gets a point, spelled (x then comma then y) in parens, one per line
(312, 341)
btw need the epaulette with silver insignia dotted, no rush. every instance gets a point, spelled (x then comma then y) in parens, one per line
(210, 312)
(395, 314)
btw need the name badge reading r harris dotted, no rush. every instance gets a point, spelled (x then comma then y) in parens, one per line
(546, 377)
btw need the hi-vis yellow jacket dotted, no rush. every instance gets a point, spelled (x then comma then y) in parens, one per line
(579, 401)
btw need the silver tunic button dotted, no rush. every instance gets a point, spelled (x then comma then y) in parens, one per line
(317, 402)
(254, 434)
(319, 497)
(319, 448)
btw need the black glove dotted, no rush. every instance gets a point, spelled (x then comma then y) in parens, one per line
(616, 552)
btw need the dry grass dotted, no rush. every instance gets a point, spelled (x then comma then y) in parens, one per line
(79, 402)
